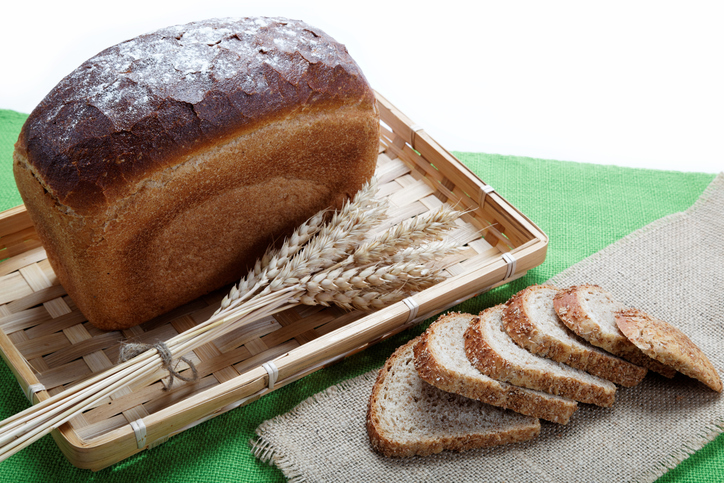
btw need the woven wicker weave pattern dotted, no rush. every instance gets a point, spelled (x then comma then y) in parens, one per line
(46, 340)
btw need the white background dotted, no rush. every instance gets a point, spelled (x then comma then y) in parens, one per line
(628, 83)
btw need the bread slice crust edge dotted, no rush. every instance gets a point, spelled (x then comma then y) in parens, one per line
(521, 327)
(494, 392)
(491, 363)
(570, 310)
(385, 444)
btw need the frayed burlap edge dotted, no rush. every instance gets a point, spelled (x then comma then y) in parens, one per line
(265, 450)
(686, 450)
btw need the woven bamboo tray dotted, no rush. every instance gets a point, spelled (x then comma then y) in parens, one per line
(46, 340)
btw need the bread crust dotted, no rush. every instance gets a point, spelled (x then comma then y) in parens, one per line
(489, 391)
(144, 105)
(668, 345)
(484, 356)
(143, 207)
(522, 328)
(569, 307)
(386, 444)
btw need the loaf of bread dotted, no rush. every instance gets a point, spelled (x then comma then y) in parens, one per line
(161, 168)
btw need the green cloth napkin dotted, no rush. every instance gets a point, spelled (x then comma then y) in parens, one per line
(582, 208)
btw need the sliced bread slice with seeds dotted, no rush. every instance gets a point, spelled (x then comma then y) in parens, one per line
(441, 361)
(491, 350)
(533, 324)
(407, 416)
(668, 345)
(588, 310)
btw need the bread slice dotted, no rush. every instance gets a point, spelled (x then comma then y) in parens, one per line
(531, 322)
(588, 310)
(407, 416)
(668, 345)
(441, 361)
(493, 352)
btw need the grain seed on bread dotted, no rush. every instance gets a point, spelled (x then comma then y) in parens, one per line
(668, 345)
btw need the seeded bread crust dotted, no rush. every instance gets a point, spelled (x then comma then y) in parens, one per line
(528, 332)
(668, 345)
(433, 370)
(389, 443)
(568, 304)
(483, 354)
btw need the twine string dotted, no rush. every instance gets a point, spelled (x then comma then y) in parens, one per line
(131, 350)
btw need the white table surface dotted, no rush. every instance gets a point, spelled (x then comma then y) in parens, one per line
(628, 83)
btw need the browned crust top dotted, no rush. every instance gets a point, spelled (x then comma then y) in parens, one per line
(139, 106)
(668, 345)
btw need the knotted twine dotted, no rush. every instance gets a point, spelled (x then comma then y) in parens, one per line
(131, 350)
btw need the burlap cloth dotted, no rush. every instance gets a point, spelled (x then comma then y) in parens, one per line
(673, 269)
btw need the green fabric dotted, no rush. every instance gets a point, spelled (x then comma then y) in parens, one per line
(582, 208)
(10, 124)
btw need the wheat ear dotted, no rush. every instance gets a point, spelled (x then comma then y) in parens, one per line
(423, 228)
(274, 258)
(356, 216)
(345, 231)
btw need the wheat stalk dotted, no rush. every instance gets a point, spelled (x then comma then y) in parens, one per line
(332, 239)
(266, 267)
(322, 263)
